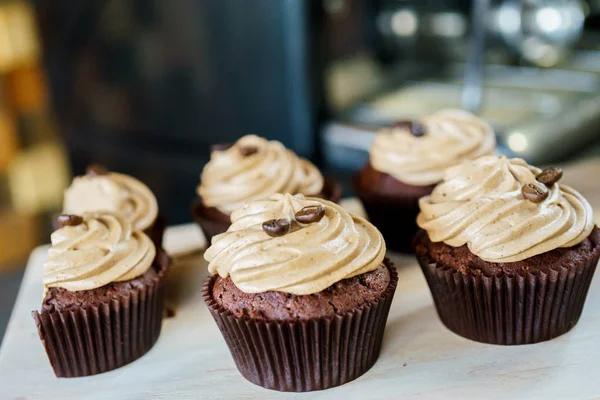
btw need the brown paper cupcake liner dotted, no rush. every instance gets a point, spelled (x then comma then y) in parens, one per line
(304, 355)
(157, 230)
(213, 222)
(395, 219)
(99, 338)
(392, 206)
(509, 310)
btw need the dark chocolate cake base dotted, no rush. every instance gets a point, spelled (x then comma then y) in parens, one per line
(338, 299)
(392, 206)
(522, 302)
(213, 222)
(156, 232)
(93, 331)
(312, 351)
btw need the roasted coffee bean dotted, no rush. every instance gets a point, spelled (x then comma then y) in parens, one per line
(310, 214)
(418, 129)
(534, 192)
(96, 170)
(69, 220)
(220, 147)
(415, 127)
(276, 227)
(248, 150)
(549, 176)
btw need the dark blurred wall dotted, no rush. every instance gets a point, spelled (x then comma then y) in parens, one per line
(145, 86)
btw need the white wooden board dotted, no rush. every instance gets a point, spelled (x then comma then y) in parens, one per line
(420, 358)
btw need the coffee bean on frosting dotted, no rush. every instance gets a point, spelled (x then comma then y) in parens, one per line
(248, 150)
(415, 127)
(549, 176)
(310, 214)
(69, 220)
(276, 227)
(96, 170)
(535, 192)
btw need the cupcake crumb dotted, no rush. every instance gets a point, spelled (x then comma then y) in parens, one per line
(171, 312)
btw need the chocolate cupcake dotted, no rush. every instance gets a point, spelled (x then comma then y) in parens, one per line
(104, 296)
(103, 191)
(508, 252)
(251, 169)
(301, 292)
(407, 160)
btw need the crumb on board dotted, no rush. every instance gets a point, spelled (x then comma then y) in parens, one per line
(171, 312)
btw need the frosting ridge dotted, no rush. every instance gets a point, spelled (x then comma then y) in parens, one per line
(451, 136)
(308, 259)
(104, 248)
(113, 193)
(233, 177)
(480, 203)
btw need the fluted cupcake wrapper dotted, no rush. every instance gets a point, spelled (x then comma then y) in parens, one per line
(157, 230)
(509, 310)
(211, 221)
(95, 339)
(394, 217)
(304, 355)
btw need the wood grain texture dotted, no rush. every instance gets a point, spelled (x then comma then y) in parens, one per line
(419, 359)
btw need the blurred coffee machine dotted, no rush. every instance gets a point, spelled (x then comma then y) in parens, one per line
(531, 68)
(146, 86)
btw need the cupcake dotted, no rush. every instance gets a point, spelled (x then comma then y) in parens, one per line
(407, 160)
(104, 288)
(508, 251)
(103, 191)
(253, 168)
(301, 292)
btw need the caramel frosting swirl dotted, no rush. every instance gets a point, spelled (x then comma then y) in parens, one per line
(480, 204)
(103, 249)
(308, 259)
(113, 193)
(234, 177)
(451, 136)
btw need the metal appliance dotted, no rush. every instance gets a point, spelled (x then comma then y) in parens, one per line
(531, 67)
(145, 86)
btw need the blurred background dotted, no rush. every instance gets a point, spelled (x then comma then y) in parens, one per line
(145, 86)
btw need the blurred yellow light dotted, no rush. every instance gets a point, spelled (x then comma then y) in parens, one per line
(8, 141)
(18, 35)
(37, 178)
